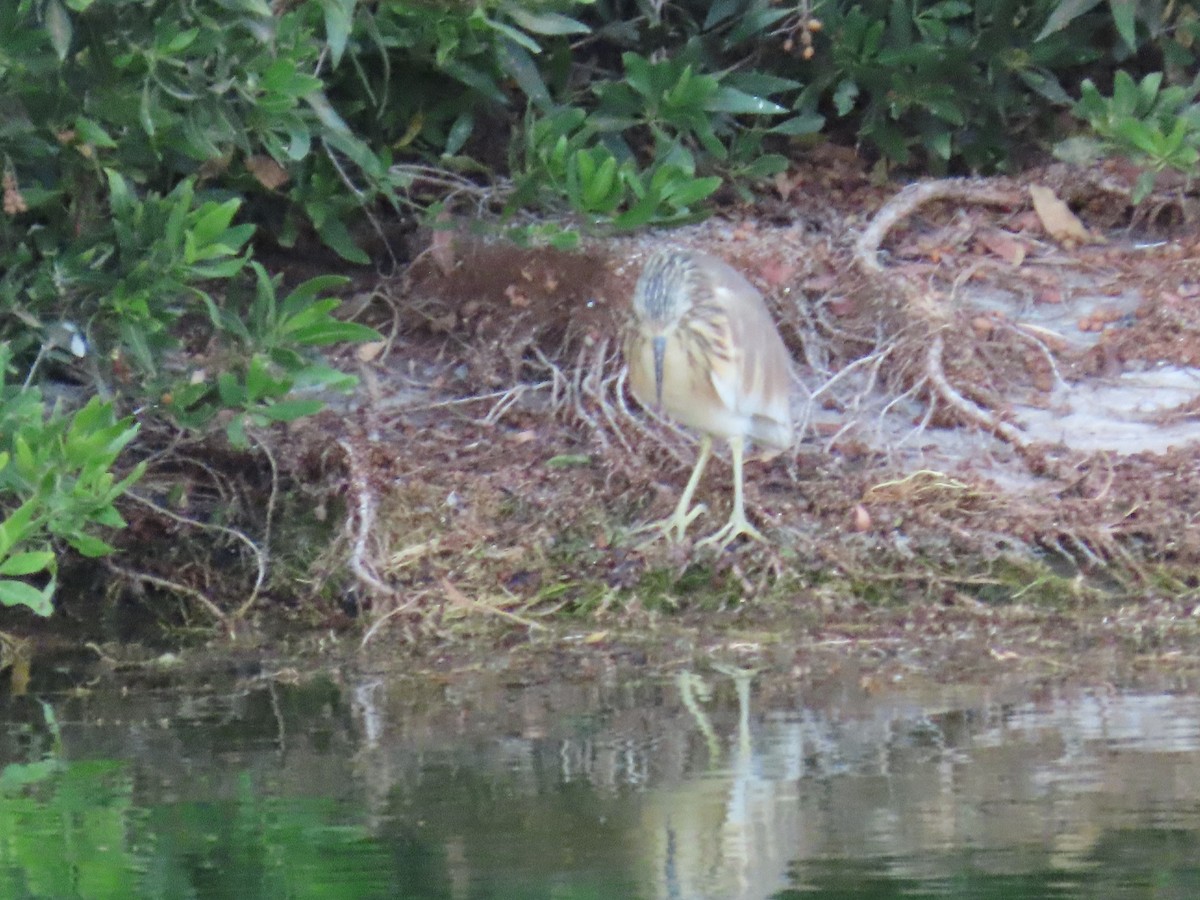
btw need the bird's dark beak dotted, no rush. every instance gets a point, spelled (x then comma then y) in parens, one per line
(660, 350)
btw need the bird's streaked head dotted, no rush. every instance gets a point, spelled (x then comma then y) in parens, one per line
(663, 295)
(664, 289)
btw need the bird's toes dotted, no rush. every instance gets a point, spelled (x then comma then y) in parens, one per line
(731, 531)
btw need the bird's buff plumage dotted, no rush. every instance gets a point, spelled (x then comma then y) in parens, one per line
(705, 351)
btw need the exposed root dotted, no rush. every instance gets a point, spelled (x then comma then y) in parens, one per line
(968, 409)
(921, 306)
(174, 587)
(263, 554)
(259, 554)
(912, 198)
(593, 393)
(361, 524)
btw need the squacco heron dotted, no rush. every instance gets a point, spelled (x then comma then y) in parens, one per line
(705, 351)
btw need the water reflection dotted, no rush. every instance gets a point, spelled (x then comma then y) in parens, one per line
(713, 784)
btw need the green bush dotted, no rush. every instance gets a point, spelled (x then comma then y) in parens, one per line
(1157, 127)
(56, 483)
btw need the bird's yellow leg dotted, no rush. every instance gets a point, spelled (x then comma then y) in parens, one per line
(737, 524)
(683, 516)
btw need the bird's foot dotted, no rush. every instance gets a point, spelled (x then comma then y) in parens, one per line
(677, 522)
(727, 533)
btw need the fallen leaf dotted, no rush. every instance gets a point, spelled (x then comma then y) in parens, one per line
(983, 326)
(1004, 246)
(777, 271)
(266, 171)
(1058, 220)
(370, 350)
(862, 519)
(516, 298)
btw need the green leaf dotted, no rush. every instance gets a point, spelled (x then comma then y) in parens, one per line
(305, 294)
(214, 219)
(290, 410)
(120, 199)
(941, 143)
(683, 194)
(229, 390)
(731, 100)
(333, 331)
(844, 96)
(236, 432)
(1080, 150)
(1141, 136)
(459, 132)
(326, 113)
(1148, 88)
(640, 213)
(18, 593)
(766, 166)
(337, 238)
(515, 35)
(339, 17)
(318, 376)
(1064, 13)
(1124, 14)
(721, 10)
(760, 83)
(89, 131)
(805, 123)
(638, 73)
(26, 563)
(1126, 97)
(58, 26)
(1143, 186)
(544, 21)
(89, 545)
(516, 61)
(569, 461)
(15, 528)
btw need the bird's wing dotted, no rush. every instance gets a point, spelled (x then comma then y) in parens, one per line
(754, 377)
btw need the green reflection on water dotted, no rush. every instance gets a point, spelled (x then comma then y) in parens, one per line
(74, 830)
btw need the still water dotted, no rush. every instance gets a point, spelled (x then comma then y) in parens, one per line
(700, 784)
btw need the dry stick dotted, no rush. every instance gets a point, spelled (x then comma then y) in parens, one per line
(922, 303)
